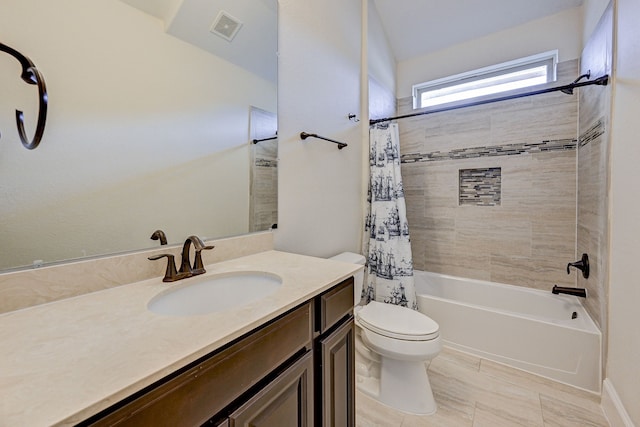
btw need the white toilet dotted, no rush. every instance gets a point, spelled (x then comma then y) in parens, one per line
(392, 345)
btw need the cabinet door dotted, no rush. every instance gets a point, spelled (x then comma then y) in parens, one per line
(337, 389)
(287, 401)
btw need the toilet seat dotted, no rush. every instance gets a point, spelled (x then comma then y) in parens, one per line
(397, 322)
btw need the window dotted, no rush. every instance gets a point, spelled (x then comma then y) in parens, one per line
(517, 74)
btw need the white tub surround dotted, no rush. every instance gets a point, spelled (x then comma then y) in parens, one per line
(524, 328)
(64, 361)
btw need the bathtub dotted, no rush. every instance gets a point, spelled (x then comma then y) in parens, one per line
(524, 328)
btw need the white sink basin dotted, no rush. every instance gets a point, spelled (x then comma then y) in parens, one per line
(209, 294)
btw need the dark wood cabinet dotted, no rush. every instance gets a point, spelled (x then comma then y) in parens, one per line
(287, 401)
(337, 388)
(297, 370)
(335, 358)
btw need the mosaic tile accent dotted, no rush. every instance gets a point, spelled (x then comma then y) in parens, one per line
(266, 163)
(492, 151)
(480, 187)
(592, 133)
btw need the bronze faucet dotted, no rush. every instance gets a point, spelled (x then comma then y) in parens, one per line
(186, 270)
(170, 274)
(159, 235)
(198, 267)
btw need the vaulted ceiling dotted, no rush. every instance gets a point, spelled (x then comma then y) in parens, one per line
(418, 27)
(413, 27)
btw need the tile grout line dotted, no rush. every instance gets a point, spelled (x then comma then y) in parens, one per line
(541, 411)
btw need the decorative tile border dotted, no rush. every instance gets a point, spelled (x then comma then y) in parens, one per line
(480, 187)
(594, 132)
(267, 163)
(492, 151)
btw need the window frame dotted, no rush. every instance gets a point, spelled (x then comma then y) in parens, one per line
(548, 59)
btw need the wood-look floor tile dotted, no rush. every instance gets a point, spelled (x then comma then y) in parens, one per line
(465, 360)
(444, 417)
(497, 399)
(540, 384)
(370, 413)
(560, 413)
(489, 418)
(453, 395)
(471, 391)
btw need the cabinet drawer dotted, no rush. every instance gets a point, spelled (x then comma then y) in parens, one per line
(195, 395)
(334, 304)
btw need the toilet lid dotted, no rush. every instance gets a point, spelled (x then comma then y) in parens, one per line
(397, 322)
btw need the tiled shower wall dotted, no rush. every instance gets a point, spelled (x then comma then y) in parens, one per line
(525, 235)
(593, 169)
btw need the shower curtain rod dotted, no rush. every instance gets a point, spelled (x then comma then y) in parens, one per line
(568, 89)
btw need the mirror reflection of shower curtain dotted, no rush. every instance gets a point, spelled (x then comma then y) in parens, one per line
(389, 271)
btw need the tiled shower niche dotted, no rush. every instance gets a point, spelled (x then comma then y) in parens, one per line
(480, 187)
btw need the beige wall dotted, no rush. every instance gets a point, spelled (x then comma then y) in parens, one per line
(623, 369)
(381, 68)
(592, 10)
(320, 190)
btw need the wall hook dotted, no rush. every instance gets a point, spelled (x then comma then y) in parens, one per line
(30, 75)
(353, 118)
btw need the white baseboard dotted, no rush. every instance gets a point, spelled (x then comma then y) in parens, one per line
(613, 408)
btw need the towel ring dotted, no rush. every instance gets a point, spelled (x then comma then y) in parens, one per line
(30, 75)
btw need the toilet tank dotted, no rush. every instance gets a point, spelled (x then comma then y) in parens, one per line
(358, 278)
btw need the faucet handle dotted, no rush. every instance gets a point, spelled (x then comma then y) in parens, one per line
(198, 265)
(170, 274)
(582, 265)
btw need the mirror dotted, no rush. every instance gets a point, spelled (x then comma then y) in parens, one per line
(152, 109)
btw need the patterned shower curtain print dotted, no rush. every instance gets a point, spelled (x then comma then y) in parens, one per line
(389, 272)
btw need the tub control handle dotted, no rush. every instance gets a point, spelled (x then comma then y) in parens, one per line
(582, 265)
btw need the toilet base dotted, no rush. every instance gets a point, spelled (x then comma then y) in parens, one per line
(405, 386)
(408, 392)
(399, 384)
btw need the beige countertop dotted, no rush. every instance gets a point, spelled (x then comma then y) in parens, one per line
(64, 361)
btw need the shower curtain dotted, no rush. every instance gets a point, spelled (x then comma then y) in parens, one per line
(389, 271)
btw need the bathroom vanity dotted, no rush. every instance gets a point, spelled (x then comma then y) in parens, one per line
(287, 359)
(265, 378)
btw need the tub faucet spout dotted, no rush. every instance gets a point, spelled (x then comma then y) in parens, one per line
(579, 292)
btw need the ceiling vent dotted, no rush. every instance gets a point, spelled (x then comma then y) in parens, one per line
(225, 26)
